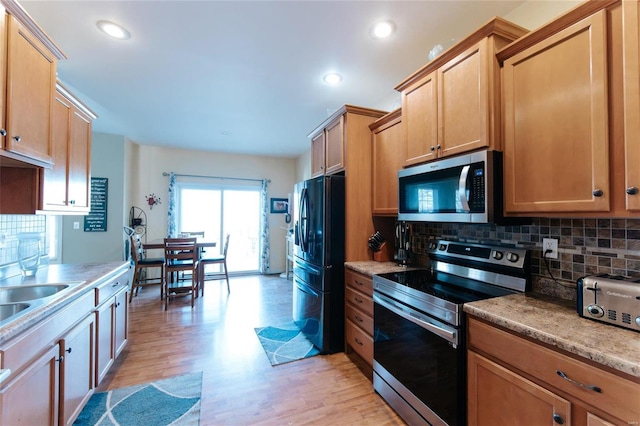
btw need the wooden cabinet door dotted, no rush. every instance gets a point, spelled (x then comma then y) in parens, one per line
(32, 397)
(121, 322)
(79, 183)
(31, 80)
(463, 102)
(77, 376)
(105, 353)
(631, 46)
(317, 154)
(388, 158)
(335, 146)
(55, 178)
(556, 147)
(498, 396)
(420, 120)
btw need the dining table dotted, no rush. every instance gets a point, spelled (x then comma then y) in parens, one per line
(201, 243)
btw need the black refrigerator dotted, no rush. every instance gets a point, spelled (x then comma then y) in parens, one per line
(318, 261)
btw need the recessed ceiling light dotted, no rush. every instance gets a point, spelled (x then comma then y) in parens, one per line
(114, 30)
(332, 78)
(382, 29)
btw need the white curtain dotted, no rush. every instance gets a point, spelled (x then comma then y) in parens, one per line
(265, 250)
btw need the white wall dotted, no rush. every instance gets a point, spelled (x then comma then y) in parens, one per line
(150, 162)
(107, 154)
(303, 166)
(535, 13)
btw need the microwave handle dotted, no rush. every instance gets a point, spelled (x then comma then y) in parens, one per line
(462, 189)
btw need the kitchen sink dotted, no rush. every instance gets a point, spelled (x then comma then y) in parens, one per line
(10, 309)
(29, 292)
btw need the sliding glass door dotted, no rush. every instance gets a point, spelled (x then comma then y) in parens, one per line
(218, 211)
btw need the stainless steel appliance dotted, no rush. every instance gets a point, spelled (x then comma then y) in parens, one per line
(613, 299)
(466, 188)
(318, 261)
(419, 351)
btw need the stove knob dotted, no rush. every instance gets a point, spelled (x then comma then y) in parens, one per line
(442, 247)
(432, 246)
(497, 255)
(595, 311)
(638, 321)
(512, 257)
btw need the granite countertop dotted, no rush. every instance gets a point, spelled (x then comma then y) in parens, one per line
(82, 277)
(371, 267)
(557, 324)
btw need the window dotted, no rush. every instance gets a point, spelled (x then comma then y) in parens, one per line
(221, 210)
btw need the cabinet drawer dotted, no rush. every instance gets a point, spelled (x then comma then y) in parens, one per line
(360, 282)
(361, 343)
(365, 303)
(542, 364)
(362, 320)
(110, 288)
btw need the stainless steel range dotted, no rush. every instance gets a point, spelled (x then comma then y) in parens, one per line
(419, 356)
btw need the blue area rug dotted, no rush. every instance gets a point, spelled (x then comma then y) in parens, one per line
(285, 343)
(174, 401)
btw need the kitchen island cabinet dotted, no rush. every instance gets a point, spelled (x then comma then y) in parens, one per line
(49, 354)
(388, 157)
(347, 149)
(452, 104)
(528, 351)
(570, 115)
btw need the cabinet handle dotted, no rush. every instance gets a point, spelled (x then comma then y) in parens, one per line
(358, 341)
(60, 359)
(632, 190)
(117, 283)
(357, 317)
(570, 380)
(3, 132)
(16, 138)
(433, 148)
(68, 350)
(438, 146)
(358, 282)
(357, 299)
(558, 419)
(598, 192)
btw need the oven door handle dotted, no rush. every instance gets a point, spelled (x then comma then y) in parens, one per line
(409, 314)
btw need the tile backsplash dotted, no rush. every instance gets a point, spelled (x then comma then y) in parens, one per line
(10, 226)
(586, 246)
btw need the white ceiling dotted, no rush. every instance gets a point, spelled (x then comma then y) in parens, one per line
(244, 76)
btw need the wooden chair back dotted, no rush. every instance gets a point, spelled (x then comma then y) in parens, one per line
(180, 253)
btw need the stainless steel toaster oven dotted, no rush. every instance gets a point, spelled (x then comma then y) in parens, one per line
(613, 299)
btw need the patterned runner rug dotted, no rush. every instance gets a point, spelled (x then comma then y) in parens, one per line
(174, 401)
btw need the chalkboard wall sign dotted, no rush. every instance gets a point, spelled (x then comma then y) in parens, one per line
(96, 220)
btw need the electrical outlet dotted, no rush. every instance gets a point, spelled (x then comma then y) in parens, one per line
(550, 244)
(76, 225)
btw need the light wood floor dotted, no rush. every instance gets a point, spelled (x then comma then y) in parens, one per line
(240, 387)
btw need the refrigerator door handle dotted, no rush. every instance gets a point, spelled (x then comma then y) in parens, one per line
(308, 290)
(304, 220)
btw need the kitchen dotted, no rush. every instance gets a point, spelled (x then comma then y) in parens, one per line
(606, 232)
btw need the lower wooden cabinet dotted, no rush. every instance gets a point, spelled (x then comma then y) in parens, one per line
(112, 317)
(513, 380)
(359, 320)
(32, 397)
(77, 378)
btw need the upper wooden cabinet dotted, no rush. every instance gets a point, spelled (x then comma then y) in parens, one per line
(452, 104)
(388, 157)
(27, 104)
(631, 45)
(564, 103)
(347, 149)
(67, 183)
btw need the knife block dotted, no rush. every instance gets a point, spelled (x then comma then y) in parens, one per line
(383, 254)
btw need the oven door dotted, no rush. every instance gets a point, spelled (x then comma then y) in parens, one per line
(419, 364)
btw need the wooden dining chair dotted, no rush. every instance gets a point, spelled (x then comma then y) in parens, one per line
(141, 266)
(215, 260)
(180, 255)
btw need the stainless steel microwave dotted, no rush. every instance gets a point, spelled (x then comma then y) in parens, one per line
(465, 188)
